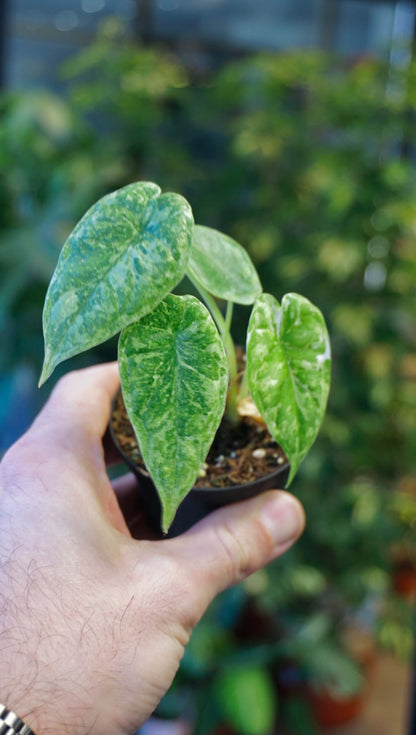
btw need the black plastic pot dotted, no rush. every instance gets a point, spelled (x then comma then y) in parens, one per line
(199, 501)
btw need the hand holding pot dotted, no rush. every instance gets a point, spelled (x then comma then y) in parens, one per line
(93, 622)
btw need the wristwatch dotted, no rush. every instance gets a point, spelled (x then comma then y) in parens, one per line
(11, 724)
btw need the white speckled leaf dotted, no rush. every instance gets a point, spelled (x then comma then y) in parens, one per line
(127, 252)
(174, 379)
(289, 365)
(223, 267)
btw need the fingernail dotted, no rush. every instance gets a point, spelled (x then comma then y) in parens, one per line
(282, 517)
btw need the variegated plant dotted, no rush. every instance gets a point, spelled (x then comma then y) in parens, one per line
(177, 359)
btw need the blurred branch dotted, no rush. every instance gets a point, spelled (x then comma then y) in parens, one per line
(407, 146)
(145, 21)
(3, 40)
(329, 24)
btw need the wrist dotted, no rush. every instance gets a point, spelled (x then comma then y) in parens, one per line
(47, 706)
(31, 709)
(38, 716)
(11, 724)
(33, 678)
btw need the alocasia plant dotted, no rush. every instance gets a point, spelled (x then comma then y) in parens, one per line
(177, 359)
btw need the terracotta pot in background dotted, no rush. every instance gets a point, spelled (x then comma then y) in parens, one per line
(330, 710)
(404, 580)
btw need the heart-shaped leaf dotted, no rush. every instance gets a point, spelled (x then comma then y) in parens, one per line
(223, 267)
(174, 380)
(288, 365)
(247, 697)
(127, 252)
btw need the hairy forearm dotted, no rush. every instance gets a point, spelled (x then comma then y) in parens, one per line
(31, 681)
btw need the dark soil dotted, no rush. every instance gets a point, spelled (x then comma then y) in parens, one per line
(239, 454)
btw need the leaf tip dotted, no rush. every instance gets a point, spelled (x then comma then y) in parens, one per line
(292, 473)
(47, 371)
(168, 515)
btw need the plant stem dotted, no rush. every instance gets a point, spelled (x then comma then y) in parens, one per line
(229, 316)
(224, 330)
(244, 389)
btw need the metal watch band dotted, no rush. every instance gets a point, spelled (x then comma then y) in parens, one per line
(11, 724)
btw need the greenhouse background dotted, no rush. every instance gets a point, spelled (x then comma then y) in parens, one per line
(290, 125)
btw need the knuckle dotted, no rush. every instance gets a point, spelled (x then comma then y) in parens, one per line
(245, 552)
(236, 553)
(263, 542)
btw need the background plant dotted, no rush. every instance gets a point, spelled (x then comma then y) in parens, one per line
(306, 162)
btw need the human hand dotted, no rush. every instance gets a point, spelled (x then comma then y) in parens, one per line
(93, 622)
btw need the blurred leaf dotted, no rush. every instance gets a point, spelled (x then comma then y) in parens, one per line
(297, 715)
(340, 258)
(209, 642)
(247, 699)
(354, 321)
(308, 581)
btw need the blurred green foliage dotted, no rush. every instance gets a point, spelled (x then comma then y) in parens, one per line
(306, 162)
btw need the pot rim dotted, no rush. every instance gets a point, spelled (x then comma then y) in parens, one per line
(208, 490)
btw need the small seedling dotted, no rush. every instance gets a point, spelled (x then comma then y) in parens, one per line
(177, 359)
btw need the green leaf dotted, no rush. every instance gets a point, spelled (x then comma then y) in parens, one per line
(174, 380)
(223, 267)
(127, 252)
(288, 365)
(248, 699)
(298, 716)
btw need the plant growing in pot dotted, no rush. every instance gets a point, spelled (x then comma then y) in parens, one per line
(179, 369)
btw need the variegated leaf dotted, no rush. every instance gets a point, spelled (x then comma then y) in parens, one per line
(289, 363)
(223, 267)
(174, 380)
(127, 252)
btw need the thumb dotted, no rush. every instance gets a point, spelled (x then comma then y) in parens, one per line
(81, 400)
(235, 541)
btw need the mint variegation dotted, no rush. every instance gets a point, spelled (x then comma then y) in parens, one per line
(127, 252)
(221, 266)
(288, 363)
(174, 380)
